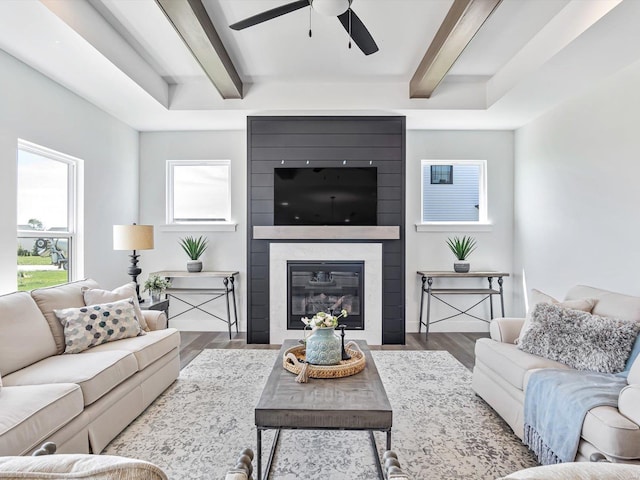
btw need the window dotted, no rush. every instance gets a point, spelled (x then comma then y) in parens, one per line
(198, 191)
(454, 191)
(47, 212)
(442, 174)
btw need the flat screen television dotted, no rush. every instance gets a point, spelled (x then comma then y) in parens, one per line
(325, 196)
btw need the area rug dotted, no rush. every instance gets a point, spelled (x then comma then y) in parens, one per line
(441, 429)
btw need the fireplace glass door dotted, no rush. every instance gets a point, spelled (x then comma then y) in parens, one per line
(330, 287)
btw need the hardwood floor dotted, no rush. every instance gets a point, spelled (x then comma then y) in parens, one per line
(460, 345)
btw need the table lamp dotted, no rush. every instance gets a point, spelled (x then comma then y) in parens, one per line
(133, 237)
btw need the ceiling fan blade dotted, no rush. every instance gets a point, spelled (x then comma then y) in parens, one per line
(359, 32)
(270, 14)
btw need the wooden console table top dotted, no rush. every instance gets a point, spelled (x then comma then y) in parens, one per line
(185, 274)
(448, 273)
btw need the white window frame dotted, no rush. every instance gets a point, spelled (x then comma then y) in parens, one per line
(482, 224)
(73, 234)
(171, 224)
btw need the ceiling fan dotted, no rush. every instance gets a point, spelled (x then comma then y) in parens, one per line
(334, 8)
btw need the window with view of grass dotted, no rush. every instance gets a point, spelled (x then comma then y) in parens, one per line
(46, 230)
(198, 191)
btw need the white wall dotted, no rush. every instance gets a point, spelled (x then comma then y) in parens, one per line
(34, 108)
(227, 250)
(577, 178)
(428, 250)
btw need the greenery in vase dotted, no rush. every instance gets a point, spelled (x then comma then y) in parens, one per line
(461, 247)
(194, 247)
(155, 283)
(323, 320)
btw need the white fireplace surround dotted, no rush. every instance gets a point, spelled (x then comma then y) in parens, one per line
(369, 253)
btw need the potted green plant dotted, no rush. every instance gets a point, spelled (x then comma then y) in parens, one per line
(194, 247)
(461, 248)
(155, 285)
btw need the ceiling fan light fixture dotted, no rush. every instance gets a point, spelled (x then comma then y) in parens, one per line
(331, 8)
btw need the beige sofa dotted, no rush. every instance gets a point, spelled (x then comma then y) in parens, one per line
(44, 465)
(502, 371)
(79, 401)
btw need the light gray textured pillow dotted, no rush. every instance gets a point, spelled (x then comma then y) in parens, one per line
(579, 339)
(94, 296)
(86, 327)
(536, 297)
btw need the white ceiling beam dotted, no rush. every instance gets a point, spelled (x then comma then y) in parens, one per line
(83, 19)
(566, 27)
(464, 19)
(191, 21)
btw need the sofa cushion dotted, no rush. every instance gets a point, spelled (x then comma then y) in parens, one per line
(509, 362)
(22, 324)
(86, 327)
(579, 339)
(578, 471)
(82, 466)
(61, 296)
(536, 297)
(609, 304)
(93, 296)
(148, 348)
(30, 414)
(97, 373)
(612, 433)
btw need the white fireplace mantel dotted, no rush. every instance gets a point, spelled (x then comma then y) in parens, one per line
(326, 232)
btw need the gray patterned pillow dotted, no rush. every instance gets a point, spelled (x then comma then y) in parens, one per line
(86, 327)
(579, 339)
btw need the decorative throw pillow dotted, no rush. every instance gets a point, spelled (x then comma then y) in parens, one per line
(94, 296)
(93, 325)
(536, 297)
(579, 339)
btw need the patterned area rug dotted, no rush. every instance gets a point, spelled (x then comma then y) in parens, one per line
(441, 429)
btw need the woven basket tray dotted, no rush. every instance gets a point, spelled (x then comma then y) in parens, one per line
(294, 358)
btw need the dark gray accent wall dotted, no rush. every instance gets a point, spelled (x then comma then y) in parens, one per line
(326, 142)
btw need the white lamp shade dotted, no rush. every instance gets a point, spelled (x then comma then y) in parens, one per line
(133, 237)
(331, 8)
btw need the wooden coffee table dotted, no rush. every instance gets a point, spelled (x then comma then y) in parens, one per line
(358, 402)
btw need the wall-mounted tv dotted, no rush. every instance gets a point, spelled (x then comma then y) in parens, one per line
(325, 196)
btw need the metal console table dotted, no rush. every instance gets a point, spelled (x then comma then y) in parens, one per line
(487, 294)
(228, 291)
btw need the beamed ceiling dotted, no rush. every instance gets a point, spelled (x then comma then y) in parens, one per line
(444, 64)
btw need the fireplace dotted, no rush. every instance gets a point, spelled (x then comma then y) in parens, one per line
(281, 253)
(325, 287)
